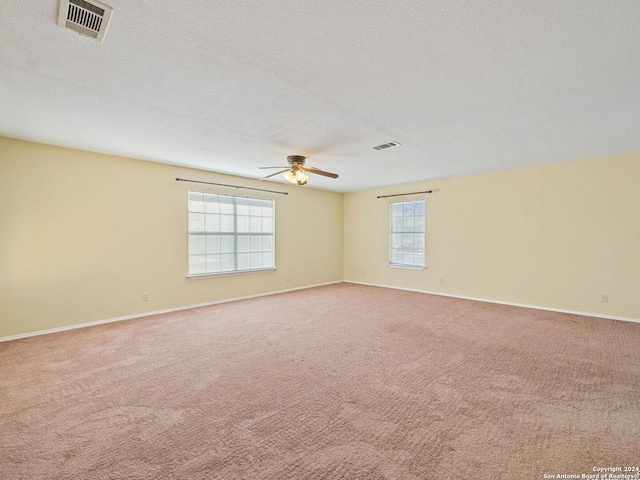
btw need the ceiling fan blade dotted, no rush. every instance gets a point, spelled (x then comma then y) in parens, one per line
(317, 171)
(282, 166)
(274, 174)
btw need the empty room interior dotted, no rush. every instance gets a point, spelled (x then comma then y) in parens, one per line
(319, 240)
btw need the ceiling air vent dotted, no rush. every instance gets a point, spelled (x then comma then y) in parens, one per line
(89, 18)
(387, 145)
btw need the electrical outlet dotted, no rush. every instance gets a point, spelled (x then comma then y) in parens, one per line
(145, 297)
(604, 298)
(442, 281)
(363, 273)
(287, 278)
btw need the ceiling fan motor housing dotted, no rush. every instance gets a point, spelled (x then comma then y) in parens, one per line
(296, 160)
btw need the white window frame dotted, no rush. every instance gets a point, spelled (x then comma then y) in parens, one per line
(407, 239)
(223, 231)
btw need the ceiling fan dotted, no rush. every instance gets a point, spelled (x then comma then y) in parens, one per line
(295, 172)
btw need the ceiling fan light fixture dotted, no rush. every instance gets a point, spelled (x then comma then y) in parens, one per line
(289, 177)
(297, 178)
(301, 177)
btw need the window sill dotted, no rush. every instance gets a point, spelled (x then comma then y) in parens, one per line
(199, 276)
(407, 267)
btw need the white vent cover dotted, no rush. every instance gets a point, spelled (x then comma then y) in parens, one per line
(387, 145)
(87, 17)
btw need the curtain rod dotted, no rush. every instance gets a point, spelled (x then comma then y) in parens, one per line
(401, 194)
(232, 186)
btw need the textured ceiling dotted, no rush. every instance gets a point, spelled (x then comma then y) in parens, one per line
(229, 86)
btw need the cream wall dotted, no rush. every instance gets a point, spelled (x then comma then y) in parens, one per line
(556, 236)
(84, 235)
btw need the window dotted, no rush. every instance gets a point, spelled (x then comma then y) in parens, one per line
(229, 234)
(406, 234)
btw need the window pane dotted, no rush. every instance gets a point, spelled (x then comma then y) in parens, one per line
(226, 208)
(243, 261)
(226, 244)
(226, 223)
(196, 222)
(212, 263)
(255, 210)
(254, 243)
(196, 264)
(267, 260)
(243, 243)
(226, 262)
(212, 222)
(396, 240)
(403, 242)
(196, 244)
(242, 223)
(242, 209)
(408, 224)
(211, 206)
(408, 209)
(415, 242)
(213, 243)
(265, 245)
(254, 224)
(267, 224)
(196, 202)
(254, 260)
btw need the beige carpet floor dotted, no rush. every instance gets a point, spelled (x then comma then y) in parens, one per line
(337, 382)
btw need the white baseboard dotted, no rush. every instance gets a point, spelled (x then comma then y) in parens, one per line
(156, 312)
(536, 307)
